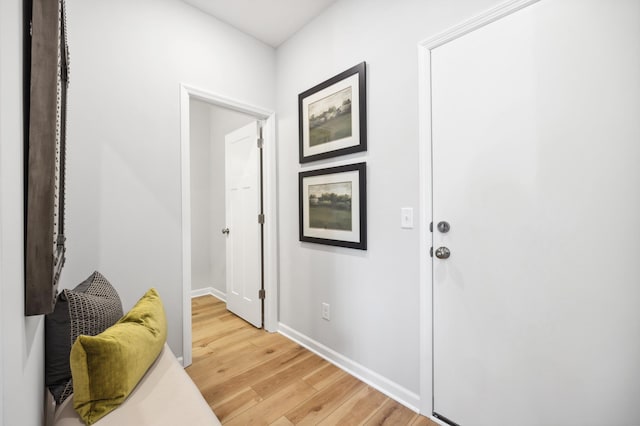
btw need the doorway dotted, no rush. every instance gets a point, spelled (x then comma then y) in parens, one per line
(205, 120)
(209, 125)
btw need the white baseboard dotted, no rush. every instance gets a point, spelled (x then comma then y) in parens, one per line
(373, 379)
(209, 291)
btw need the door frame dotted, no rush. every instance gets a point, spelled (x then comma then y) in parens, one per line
(425, 175)
(270, 241)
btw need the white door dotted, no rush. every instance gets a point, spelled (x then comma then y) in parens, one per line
(536, 168)
(243, 231)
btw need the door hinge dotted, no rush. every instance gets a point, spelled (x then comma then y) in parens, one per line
(431, 252)
(261, 294)
(31, 28)
(431, 227)
(260, 138)
(261, 218)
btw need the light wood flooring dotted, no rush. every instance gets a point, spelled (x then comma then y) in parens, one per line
(252, 377)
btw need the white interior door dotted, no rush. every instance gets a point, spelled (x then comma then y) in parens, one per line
(536, 167)
(243, 231)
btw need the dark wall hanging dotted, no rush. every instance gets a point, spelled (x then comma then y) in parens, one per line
(333, 206)
(332, 116)
(45, 155)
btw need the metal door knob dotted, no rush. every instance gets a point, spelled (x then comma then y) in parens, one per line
(225, 231)
(443, 253)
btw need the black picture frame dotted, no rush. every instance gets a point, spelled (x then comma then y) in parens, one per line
(332, 116)
(333, 206)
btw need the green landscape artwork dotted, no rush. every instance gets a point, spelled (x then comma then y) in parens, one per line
(330, 206)
(330, 118)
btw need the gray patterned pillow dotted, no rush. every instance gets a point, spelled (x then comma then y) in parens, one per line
(89, 309)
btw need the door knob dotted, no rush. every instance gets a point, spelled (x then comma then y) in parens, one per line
(443, 253)
(225, 231)
(444, 227)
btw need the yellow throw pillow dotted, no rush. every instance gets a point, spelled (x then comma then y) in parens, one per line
(105, 368)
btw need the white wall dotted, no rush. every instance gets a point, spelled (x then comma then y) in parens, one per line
(22, 338)
(124, 177)
(201, 183)
(374, 295)
(209, 124)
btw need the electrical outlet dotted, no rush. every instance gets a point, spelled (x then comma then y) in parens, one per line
(326, 311)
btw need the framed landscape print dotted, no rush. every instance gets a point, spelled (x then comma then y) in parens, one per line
(333, 206)
(333, 116)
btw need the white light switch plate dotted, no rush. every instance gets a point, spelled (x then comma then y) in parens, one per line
(406, 217)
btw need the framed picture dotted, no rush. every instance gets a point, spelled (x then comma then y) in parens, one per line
(333, 206)
(333, 116)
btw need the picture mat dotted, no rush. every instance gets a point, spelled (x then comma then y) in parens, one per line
(354, 139)
(350, 236)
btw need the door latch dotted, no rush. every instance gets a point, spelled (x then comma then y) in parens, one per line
(443, 253)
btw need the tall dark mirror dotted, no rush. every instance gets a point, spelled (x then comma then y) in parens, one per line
(47, 71)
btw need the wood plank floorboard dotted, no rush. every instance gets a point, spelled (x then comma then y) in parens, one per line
(252, 377)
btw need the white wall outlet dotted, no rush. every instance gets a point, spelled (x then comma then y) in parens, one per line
(406, 217)
(326, 311)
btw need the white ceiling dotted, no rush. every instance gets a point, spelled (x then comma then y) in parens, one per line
(272, 21)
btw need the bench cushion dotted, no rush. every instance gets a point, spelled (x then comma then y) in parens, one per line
(166, 396)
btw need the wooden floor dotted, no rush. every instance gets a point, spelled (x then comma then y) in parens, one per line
(251, 377)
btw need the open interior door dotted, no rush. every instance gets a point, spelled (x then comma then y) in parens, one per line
(244, 227)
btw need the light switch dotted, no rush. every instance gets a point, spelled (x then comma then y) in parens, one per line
(406, 217)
